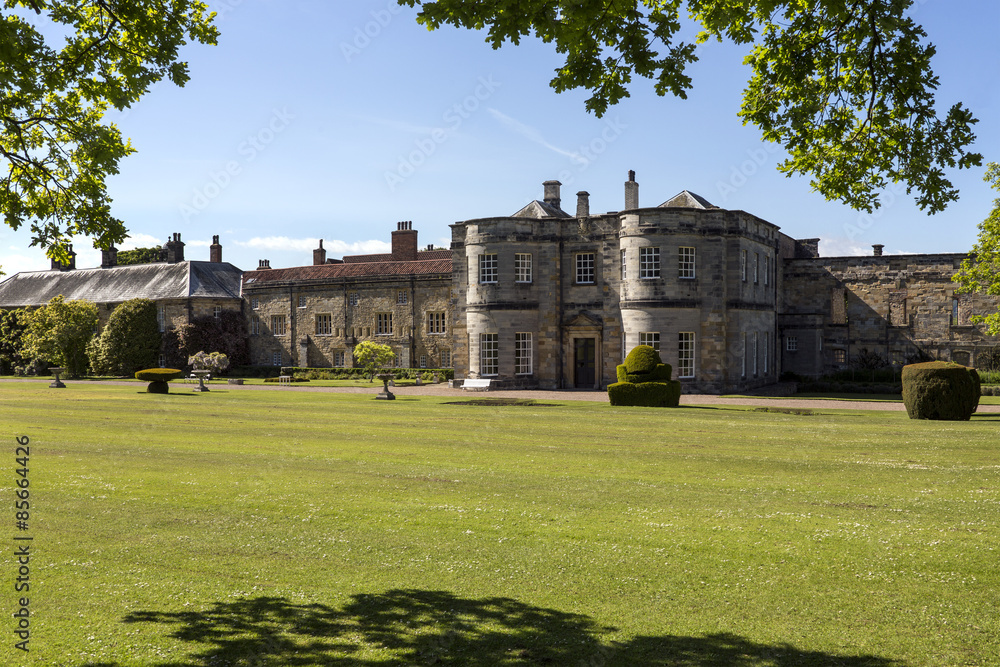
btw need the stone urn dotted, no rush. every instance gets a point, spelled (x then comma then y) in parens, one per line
(57, 384)
(201, 375)
(385, 394)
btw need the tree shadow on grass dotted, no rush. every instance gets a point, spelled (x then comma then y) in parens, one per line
(417, 627)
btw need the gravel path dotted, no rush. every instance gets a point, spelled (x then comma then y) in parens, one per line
(569, 395)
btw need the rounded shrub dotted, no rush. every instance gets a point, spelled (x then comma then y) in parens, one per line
(940, 390)
(647, 394)
(158, 378)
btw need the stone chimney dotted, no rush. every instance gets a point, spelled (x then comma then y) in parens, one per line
(57, 265)
(175, 249)
(319, 254)
(631, 192)
(877, 248)
(552, 193)
(109, 258)
(215, 250)
(264, 265)
(582, 204)
(806, 248)
(404, 242)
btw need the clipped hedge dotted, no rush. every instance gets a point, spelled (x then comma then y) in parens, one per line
(940, 390)
(645, 380)
(158, 378)
(646, 394)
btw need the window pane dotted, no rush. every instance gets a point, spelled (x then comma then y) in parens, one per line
(650, 338)
(685, 354)
(522, 267)
(522, 353)
(585, 268)
(685, 262)
(649, 263)
(488, 354)
(487, 268)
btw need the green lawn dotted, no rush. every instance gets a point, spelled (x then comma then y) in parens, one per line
(294, 528)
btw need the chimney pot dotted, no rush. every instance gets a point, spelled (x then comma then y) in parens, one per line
(215, 250)
(319, 254)
(631, 192)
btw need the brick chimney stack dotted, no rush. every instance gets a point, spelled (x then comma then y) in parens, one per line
(175, 249)
(631, 192)
(877, 248)
(264, 265)
(215, 250)
(109, 258)
(404, 242)
(582, 204)
(552, 193)
(66, 267)
(319, 254)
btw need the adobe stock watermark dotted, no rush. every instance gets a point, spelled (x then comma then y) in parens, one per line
(587, 153)
(223, 7)
(741, 174)
(453, 118)
(867, 220)
(363, 35)
(248, 149)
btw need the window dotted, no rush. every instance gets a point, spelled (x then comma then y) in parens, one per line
(685, 354)
(254, 326)
(353, 299)
(743, 265)
(254, 303)
(488, 354)
(435, 323)
(840, 356)
(445, 358)
(302, 301)
(649, 263)
(650, 338)
(161, 318)
(276, 359)
(162, 361)
(402, 298)
(522, 354)
(746, 353)
(278, 325)
(754, 351)
(623, 264)
(767, 269)
(339, 359)
(767, 345)
(954, 312)
(217, 312)
(792, 343)
(522, 267)
(423, 361)
(383, 324)
(756, 268)
(324, 325)
(585, 268)
(685, 262)
(487, 269)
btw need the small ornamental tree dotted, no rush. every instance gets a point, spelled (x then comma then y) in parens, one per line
(216, 362)
(373, 357)
(129, 342)
(59, 332)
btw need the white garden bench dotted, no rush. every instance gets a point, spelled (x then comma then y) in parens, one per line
(481, 383)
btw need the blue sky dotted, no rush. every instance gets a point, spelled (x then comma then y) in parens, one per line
(314, 119)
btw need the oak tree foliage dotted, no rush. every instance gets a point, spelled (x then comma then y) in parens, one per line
(138, 256)
(845, 86)
(980, 271)
(63, 65)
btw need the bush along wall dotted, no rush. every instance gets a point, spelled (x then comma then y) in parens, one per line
(940, 390)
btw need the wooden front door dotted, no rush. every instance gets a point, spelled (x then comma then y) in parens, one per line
(585, 362)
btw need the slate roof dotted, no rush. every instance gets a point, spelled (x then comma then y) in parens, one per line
(685, 199)
(326, 272)
(422, 255)
(539, 209)
(158, 281)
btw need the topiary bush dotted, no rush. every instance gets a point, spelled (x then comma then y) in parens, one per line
(158, 379)
(940, 390)
(645, 380)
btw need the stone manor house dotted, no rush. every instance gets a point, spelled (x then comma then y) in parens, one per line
(549, 299)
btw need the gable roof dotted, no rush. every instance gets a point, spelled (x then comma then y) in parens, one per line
(685, 199)
(321, 272)
(181, 280)
(539, 209)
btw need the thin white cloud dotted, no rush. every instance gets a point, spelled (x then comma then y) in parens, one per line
(399, 125)
(842, 247)
(531, 134)
(332, 246)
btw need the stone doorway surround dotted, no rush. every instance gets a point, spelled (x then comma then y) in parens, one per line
(580, 326)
